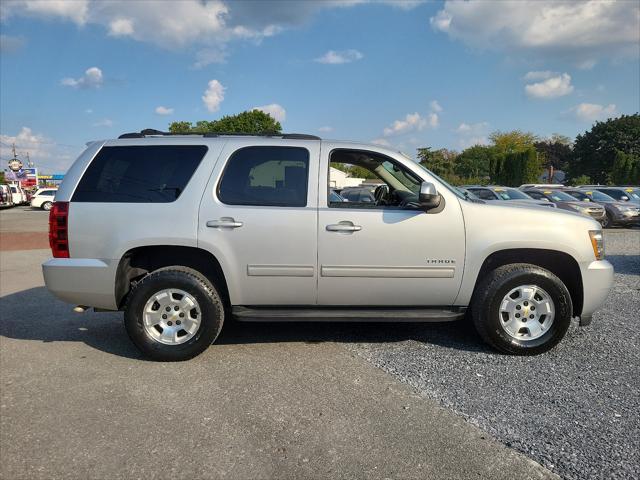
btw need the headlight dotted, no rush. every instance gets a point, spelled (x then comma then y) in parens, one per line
(579, 208)
(597, 242)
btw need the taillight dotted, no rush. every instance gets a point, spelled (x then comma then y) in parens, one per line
(58, 221)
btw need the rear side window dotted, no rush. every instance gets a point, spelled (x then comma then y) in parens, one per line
(266, 176)
(139, 174)
(484, 193)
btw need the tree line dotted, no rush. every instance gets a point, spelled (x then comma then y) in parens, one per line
(609, 153)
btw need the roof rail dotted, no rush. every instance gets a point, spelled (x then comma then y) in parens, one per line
(150, 132)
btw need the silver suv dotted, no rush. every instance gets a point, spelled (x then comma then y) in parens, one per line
(183, 233)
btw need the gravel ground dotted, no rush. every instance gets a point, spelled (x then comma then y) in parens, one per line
(574, 409)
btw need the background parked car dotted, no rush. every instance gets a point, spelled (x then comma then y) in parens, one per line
(567, 202)
(43, 198)
(618, 213)
(622, 194)
(358, 194)
(498, 193)
(18, 195)
(6, 198)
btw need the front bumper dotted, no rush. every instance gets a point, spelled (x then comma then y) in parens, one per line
(626, 218)
(597, 280)
(82, 281)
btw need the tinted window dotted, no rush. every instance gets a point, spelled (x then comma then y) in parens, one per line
(270, 176)
(483, 193)
(140, 174)
(536, 195)
(48, 193)
(616, 194)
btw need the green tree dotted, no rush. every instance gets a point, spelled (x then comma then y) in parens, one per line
(595, 150)
(513, 141)
(555, 153)
(250, 122)
(580, 180)
(515, 168)
(441, 162)
(625, 169)
(474, 162)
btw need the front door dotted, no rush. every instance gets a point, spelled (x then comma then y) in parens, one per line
(259, 218)
(386, 252)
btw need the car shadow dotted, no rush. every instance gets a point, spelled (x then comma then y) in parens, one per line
(34, 314)
(625, 264)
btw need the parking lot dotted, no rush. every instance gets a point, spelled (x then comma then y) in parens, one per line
(310, 400)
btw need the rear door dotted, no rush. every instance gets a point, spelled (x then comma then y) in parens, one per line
(258, 216)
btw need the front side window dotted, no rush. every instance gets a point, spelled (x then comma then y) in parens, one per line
(378, 181)
(483, 193)
(266, 176)
(139, 174)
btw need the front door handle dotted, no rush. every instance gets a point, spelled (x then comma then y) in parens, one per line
(344, 227)
(224, 222)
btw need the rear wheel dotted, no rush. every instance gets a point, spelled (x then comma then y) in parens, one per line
(173, 314)
(522, 309)
(47, 206)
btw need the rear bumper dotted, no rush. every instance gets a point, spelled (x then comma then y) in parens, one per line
(82, 281)
(597, 280)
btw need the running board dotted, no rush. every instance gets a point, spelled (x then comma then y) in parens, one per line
(331, 314)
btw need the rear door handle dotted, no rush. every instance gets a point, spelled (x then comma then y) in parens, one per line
(224, 222)
(343, 227)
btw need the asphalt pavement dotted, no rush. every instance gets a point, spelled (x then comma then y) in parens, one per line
(266, 401)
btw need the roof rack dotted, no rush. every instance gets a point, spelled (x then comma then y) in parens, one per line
(150, 132)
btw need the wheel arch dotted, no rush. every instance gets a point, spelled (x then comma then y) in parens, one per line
(561, 264)
(140, 261)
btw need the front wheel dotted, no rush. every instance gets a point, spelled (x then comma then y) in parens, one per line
(607, 221)
(173, 314)
(522, 309)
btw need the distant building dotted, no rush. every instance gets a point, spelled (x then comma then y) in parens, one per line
(339, 179)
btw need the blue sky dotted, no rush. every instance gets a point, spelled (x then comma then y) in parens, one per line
(404, 73)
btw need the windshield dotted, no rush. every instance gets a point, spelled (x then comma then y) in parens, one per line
(452, 189)
(581, 196)
(511, 194)
(599, 196)
(558, 196)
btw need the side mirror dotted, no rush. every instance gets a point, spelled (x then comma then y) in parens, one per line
(428, 198)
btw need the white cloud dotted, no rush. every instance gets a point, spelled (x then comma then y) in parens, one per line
(435, 106)
(47, 155)
(204, 24)
(105, 122)
(470, 134)
(590, 112)
(333, 57)
(383, 142)
(412, 121)
(552, 87)
(88, 111)
(121, 27)
(587, 64)
(213, 95)
(76, 11)
(577, 30)
(433, 120)
(92, 78)
(325, 129)
(160, 110)
(275, 110)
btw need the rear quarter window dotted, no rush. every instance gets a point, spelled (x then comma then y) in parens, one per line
(139, 174)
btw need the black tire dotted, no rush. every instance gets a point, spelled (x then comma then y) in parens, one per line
(46, 206)
(607, 221)
(485, 308)
(192, 282)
